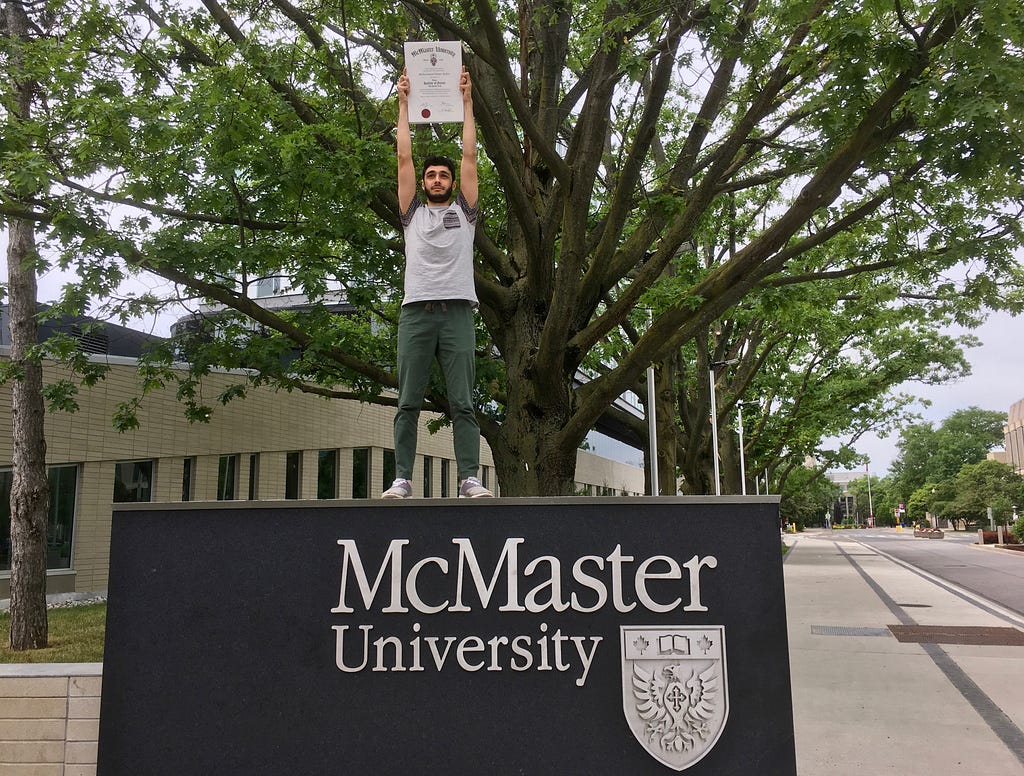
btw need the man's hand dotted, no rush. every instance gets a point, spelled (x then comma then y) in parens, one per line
(403, 87)
(465, 86)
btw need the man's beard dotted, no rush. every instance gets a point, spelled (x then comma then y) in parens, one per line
(439, 198)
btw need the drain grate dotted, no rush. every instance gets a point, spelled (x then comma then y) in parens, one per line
(844, 630)
(915, 606)
(949, 634)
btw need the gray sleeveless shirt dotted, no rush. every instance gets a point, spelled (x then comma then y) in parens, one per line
(439, 251)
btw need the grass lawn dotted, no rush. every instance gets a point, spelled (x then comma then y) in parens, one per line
(76, 636)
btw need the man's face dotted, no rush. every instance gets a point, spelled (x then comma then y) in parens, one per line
(438, 184)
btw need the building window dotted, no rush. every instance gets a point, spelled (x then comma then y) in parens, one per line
(60, 524)
(327, 474)
(293, 475)
(389, 469)
(133, 482)
(428, 476)
(485, 476)
(188, 478)
(254, 476)
(361, 472)
(445, 477)
(227, 478)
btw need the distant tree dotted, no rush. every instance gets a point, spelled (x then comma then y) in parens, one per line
(808, 496)
(983, 486)
(929, 454)
(867, 499)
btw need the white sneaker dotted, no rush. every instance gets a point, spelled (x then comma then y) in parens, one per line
(399, 489)
(471, 488)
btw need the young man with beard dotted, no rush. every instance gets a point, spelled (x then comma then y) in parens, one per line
(437, 310)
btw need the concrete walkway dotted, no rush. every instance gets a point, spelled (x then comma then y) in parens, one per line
(867, 703)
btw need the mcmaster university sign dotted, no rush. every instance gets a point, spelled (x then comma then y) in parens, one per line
(519, 636)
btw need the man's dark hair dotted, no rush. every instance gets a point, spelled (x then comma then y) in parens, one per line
(438, 161)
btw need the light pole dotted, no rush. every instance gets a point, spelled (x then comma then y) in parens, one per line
(871, 507)
(652, 430)
(714, 419)
(743, 466)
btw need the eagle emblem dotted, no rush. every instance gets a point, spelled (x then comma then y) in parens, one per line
(675, 696)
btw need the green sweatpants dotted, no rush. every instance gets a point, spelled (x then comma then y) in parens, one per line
(441, 330)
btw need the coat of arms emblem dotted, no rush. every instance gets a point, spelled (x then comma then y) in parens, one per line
(674, 690)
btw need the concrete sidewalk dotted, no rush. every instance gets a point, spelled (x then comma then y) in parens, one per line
(867, 703)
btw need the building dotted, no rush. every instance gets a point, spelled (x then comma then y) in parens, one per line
(1013, 438)
(271, 445)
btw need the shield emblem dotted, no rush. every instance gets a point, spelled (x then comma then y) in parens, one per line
(674, 691)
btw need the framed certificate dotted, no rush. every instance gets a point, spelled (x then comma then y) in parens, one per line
(434, 69)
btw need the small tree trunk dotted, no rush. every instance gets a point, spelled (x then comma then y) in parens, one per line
(30, 492)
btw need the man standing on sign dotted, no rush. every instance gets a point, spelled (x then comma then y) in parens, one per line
(437, 311)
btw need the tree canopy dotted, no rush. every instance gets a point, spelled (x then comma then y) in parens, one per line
(650, 173)
(930, 455)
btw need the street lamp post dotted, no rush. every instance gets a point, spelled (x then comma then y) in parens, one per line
(871, 506)
(652, 431)
(714, 419)
(743, 466)
(714, 430)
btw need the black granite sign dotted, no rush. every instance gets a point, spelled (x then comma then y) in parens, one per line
(514, 636)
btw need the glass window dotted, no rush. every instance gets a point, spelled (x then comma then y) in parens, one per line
(227, 478)
(60, 524)
(133, 481)
(327, 474)
(389, 469)
(485, 476)
(428, 476)
(445, 477)
(293, 474)
(254, 476)
(361, 472)
(188, 478)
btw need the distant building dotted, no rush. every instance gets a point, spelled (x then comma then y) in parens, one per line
(1013, 437)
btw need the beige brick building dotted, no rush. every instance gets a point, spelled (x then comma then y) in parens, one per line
(271, 445)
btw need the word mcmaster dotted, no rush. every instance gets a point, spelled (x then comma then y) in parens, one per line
(540, 584)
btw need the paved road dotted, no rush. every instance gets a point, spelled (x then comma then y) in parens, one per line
(998, 575)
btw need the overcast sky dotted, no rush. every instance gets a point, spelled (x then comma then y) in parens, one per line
(996, 382)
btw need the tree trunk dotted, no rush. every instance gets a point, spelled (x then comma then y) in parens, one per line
(30, 491)
(532, 458)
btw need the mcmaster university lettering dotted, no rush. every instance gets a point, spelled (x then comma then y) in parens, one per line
(430, 585)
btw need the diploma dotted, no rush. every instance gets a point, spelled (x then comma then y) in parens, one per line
(434, 69)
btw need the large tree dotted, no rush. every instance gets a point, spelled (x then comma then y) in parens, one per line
(646, 166)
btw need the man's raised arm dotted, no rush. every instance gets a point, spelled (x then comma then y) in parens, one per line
(467, 171)
(406, 169)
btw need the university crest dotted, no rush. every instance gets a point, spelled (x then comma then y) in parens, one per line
(674, 690)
